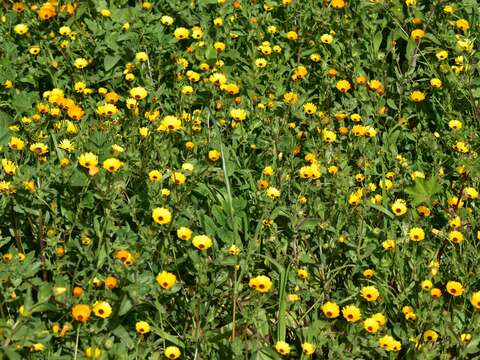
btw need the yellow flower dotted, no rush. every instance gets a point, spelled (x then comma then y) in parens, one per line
(326, 39)
(309, 109)
(155, 175)
(343, 86)
(138, 93)
(399, 207)
(436, 83)
(80, 63)
(37, 347)
(161, 216)
(448, 9)
(233, 250)
(181, 33)
(141, 56)
(88, 160)
(441, 55)
(368, 273)
(351, 313)
(470, 193)
(416, 234)
(302, 273)
(172, 352)
(112, 165)
(273, 193)
(292, 35)
(417, 96)
(21, 29)
(430, 335)
(426, 284)
(102, 309)
(93, 353)
(371, 325)
(455, 288)
(39, 149)
(184, 233)
(475, 300)
(166, 20)
(370, 293)
(67, 145)
(465, 337)
(331, 310)
(308, 348)
(142, 327)
(462, 24)
(202, 242)
(328, 136)
(417, 34)
(34, 50)
(166, 279)
(9, 167)
(267, 171)
(282, 347)
(261, 283)
(170, 123)
(214, 155)
(455, 236)
(389, 244)
(379, 318)
(178, 178)
(337, 4)
(238, 114)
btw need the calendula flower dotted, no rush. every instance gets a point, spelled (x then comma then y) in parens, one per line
(112, 165)
(202, 242)
(455, 288)
(282, 347)
(343, 86)
(166, 279)
(81, 312)
(351, 313)
(331, 310)
(261, 283)
(142, 327)
(172, 352)
(161, 216)
(475, 300)
(430, 335)
(102, 309)
(371, 325)
(416, 234)
(88, 160)
(417, 96)
(370, 293)
(399, 207)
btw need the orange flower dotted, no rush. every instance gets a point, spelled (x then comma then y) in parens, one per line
(81, 312)
(46, 12)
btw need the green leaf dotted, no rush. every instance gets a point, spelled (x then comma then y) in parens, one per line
(78, 179)
(423, 190)
(125, 305)
(170, 338)
(123, 335)
(211, 54)
(23, 101)
(110, 61)
(4, 123)
(382, 209)
(377, 41)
